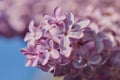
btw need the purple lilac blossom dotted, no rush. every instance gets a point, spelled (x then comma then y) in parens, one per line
(74, 48)
(46, 46)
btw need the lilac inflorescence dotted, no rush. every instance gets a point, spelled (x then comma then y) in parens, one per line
(63, 45)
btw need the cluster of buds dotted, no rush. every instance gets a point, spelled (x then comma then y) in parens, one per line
(68, 47)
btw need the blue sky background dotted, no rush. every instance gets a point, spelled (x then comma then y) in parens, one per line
(12, 61)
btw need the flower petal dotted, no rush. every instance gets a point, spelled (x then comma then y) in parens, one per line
(28, 36)
(54, 54)
(99, 45)
(35, 61)
(57, 11)
(70, 18)
(45, 28)
(78, 64)
(48, 17)
(55, 31)
(76, 34)
(66, 52)
(38, 34)
(51, 44)
(83, 23)
(65, 42)
(45, 60)
(95, 59)
(31, 42)
(30, 55)
(56, 39)
(41, 48)
(69, 21)
(31, 26)
(61, 18)
(28, 62)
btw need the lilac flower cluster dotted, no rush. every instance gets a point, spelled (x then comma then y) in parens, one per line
(69, 47)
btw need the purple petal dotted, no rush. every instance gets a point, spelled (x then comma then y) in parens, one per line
(56, 39)
(95, 59)
(61, 18)
(66, 52)
(76, 34)
(51, 44)
(45, 28)
(38, 34)
(35, 61)
(69, 21)
(99, 45)
(55, 31)
(57, 11)
(83, 23)
(31, 26)
(48, 17)
(23, 50)
(70, 17)
(79, 65)
(29, 52)
(89, 35)
(30, 55)
(41, 48)
(77, 62)
(94, 26)
(28, 62)
(52, 21)
(28, 36)
(65, 42)
(46, 59)
(31, 42)
(54, 54)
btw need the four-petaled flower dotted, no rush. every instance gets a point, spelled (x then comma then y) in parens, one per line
(34, 34)
(32, 55)
(56, 18)
(48, 50)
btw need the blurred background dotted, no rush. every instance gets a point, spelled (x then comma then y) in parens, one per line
(15, 16)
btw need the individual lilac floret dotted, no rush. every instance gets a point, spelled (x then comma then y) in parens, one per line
(48, 50)
(32, 55)
(34, 34)
(88, 56)
(56, 18)
(97, 38)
